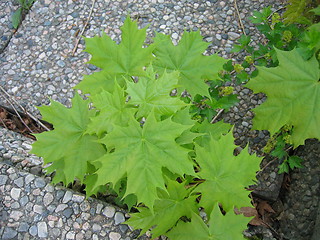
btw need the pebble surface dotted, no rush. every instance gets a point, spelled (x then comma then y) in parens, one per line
(6, 28)
(38, 63)
(304, 185)
(32, 208)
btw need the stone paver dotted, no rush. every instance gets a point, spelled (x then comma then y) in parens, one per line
(50, 219)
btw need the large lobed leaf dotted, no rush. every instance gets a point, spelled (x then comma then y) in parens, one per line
(140, 154)
(210, 131)
(154, 94)
(68, 147)
(187, 58)
(113, 110)
(172, 205)
(116, 60)
(100, 81)
(293, 96)
(220, 227)
(225, 175)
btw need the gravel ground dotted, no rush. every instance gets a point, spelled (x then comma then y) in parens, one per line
(38, 63)
(6, 29)
(304, 187)
(33, 209)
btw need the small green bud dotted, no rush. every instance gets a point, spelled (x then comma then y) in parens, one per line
(248, 59)
(238, 68)
(286, 128)
(196, 117)
(225, 91)
(287, 139)
(275, 19)
(270, 145)
(287, 36)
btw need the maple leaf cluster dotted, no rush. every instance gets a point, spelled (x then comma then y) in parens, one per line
(132, 130)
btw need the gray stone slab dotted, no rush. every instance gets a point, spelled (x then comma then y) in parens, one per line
(35, 217)
(6, 28)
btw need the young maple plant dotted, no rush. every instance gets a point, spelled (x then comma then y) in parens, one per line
(134, 136)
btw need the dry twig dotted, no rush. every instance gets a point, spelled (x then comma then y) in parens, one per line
(15, 110)
(216, 116)
(279, 9)
(240, 21)
(3, 123)
(83, 29)
(11, 99)
(262, 169)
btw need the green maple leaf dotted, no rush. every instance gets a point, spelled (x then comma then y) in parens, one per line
(100, 81)
(117, 61)
(154, 94)
(183, 117)
(210, 130)
(113, 109)
(140, 154)
(173, 204)
(221, 227)
(187, 58)
(127, 58)
(225, 175)
(293, 96)
(68, 147)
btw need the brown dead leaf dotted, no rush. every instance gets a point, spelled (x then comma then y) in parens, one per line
(264, 207)
(250, 212)
(3, 114)
(247, 211)
(26, 121)
(257, 222)
(10, 124)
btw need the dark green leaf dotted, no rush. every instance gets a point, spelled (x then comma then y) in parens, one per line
(283, 168)
(262, 62)
(266, 12)
(16, 18)
(245, 64)
(242, 77)
(256, 18)
(316, 10)
(244, 40)
(254, 73)
(264, 28)
(279, 149)
(29, 3)
(21, 2)
(228, 101)
(228, 66)
(236, 48)
(295, 161)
